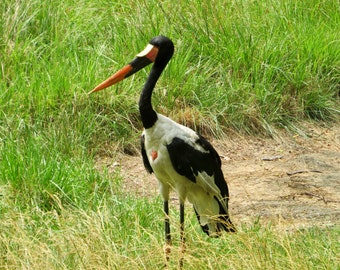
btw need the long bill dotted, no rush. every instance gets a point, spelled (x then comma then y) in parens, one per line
(144, 58)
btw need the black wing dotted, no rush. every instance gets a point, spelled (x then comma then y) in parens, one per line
(145, 157)
(189, 161)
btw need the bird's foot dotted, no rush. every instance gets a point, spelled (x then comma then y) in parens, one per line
(182, 252)
(167, 251)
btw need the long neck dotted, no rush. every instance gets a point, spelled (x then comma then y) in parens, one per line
(147, 113)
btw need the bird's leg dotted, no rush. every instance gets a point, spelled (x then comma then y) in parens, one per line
(181, 209)
(167, 231)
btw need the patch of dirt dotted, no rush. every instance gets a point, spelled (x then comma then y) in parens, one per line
(289, 180)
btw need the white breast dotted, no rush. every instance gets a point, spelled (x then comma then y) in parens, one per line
(156, 140)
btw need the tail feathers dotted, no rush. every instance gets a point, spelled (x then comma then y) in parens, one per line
(215, 224)
(224, 222)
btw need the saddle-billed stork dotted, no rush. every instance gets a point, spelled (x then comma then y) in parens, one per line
(181, 159)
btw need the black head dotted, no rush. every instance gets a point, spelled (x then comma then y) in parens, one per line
(159, 51)
(166, 49)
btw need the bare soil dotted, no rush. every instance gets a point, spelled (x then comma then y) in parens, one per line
(290, 181)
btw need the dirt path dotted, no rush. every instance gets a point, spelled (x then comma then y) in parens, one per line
(289, 181)
(294, 181)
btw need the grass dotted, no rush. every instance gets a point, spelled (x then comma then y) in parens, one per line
(251, 66)
(125, 232)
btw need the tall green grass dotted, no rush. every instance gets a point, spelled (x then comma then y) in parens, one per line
(252, 66)
(124, 233)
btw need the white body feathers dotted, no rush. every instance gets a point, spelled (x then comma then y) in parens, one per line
(200, 193)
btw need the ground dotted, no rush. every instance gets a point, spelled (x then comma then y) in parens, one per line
(290, 180)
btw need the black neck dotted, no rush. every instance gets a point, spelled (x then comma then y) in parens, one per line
(147, 113)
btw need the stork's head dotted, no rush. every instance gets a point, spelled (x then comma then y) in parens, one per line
(159, 50)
